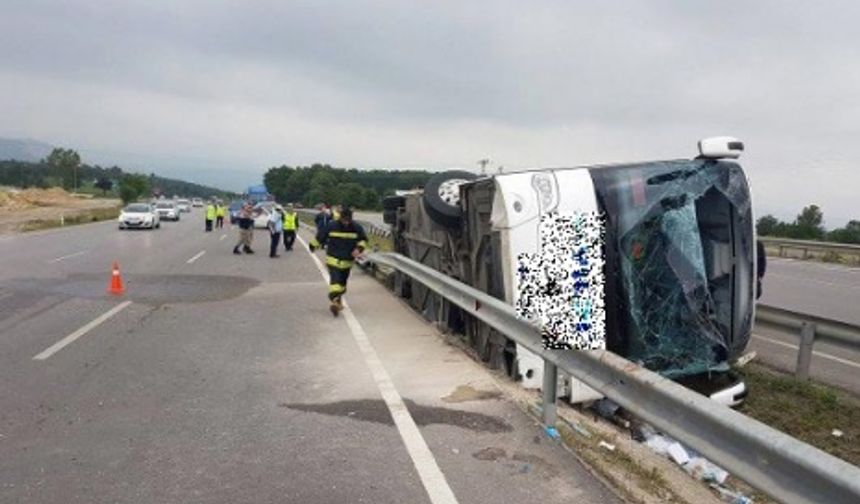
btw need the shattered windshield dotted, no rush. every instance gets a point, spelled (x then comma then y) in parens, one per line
(680, 236)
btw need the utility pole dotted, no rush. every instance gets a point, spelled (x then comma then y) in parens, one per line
(483, 163)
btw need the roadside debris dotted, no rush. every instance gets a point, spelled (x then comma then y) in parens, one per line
(552, 432)
(693, 463)
(837, 433)
(745, 359)
(608, 446)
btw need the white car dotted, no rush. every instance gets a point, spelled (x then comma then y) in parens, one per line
(167, 210)
(139, 216)
(197, 202)
(183, 205)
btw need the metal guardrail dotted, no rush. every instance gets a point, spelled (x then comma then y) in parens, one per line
(809, 246)
(809, 329)
(780, 465)
(369, 227)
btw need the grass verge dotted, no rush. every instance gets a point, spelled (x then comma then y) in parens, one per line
(807, 411)
(82, 217)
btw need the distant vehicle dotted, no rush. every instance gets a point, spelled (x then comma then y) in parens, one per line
(262, 212)
(233, 210)
(167, 210)
(197, 202)
(139, 216)
(259, 193)
(183, 205)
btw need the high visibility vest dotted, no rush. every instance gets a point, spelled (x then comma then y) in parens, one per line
(210, 212)
(291, 221)
(220, 211)
(335, 215)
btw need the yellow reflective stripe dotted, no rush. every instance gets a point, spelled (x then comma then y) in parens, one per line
(336, 288)
(315, 243)
(362, 244)
(338, 263)
(341, 234)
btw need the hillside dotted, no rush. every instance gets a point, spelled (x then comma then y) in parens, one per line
(23, 150)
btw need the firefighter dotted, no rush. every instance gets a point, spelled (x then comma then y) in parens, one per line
(291, 223)
(210, 216)
(344, 240)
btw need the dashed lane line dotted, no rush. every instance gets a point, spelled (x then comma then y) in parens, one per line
(434, 481)
(196, 256)
(56, 347)
(69, 256)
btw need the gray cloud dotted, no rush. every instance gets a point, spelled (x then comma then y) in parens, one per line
(210, 87)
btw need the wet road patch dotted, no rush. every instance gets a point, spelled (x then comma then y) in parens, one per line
(375, 410)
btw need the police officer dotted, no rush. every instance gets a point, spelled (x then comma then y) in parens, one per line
(344, 240)
(291, 223)
(210, 216)
(220, 212)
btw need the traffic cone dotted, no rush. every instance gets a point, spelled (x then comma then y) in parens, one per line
(115, 286)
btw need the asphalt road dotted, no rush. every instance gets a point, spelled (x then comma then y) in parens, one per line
(826, 290)
(223, 379)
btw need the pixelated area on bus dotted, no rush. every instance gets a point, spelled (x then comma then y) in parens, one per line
(561, 286)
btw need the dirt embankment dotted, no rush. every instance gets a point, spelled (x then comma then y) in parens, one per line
(28, 209)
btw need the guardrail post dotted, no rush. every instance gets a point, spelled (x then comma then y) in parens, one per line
(804, 351)
(550, 384)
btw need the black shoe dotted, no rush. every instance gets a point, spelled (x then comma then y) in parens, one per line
(274, 256)
(335, 309)
(237, 251)
(249, 251)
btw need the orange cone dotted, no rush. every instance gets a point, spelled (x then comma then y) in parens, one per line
(115, 286)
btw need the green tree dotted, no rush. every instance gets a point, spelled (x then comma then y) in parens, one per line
(767, 225)
(132, 187)
(848, 234)
(808, 225)
(65, 164)
(104, 183)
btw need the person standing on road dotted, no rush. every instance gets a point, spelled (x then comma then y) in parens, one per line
(291, 224)
(276, 226)
(220, 212)
(210, 216)
(246, 229)
(323, 218)
(344, 240)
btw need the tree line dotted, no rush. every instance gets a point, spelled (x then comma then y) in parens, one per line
(808, 225)
(63, 168)
(322, 183)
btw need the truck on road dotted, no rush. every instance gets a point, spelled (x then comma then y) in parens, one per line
(676, 283)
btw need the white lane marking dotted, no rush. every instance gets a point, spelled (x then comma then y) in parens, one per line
(62, 258)
(814, 352)
(222, 237)
(425, 464)
(56, 347)
(196, 256)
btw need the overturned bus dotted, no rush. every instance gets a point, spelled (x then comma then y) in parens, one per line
(678, 258)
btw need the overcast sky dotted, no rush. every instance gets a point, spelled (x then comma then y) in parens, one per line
(219, 91)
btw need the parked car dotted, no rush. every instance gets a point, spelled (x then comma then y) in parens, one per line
(196, 202)
(167, 210)
(139, 216)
